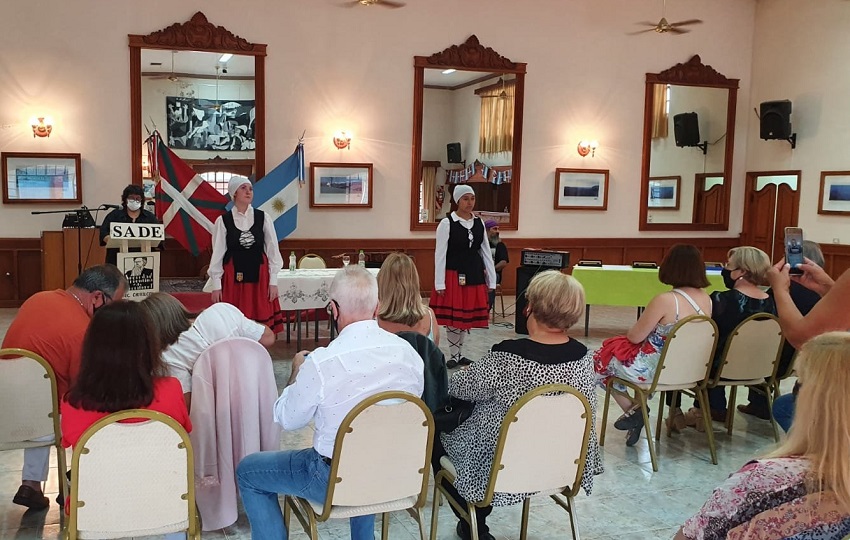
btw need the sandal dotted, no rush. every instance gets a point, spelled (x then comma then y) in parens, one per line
(629, 420)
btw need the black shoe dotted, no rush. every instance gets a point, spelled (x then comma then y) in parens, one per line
(451, 364)
(463, 531)
(32, 499)
(633, 436)
(631, 419)
(752, 410)
(464, 361)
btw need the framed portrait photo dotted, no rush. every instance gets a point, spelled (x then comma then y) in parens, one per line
(664, 192)
(834, 193)
(340, 185)
(34, 177)
(141, 269)
(581, 189)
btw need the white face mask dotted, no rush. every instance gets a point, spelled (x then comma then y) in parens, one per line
(134, 205)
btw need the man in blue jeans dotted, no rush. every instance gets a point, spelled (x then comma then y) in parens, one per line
(323, 387)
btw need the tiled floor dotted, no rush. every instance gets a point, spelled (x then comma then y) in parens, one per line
(629, 501)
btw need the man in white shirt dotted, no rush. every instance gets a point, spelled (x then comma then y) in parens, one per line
(324, 386)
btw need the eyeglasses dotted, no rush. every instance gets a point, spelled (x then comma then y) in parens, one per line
(329, 307)
(106, 296)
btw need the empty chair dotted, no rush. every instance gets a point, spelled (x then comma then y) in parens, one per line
(233, 395)
(380, 464)
(312, 261)
(30, 405)
(750, 358)
(542, 450)
(132, 478)
(684, 364)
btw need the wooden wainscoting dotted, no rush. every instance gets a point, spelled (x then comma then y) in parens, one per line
(20, 270)
(836, 258)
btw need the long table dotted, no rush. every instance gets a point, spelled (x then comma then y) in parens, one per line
(620, 285)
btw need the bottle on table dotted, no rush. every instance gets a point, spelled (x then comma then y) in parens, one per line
(361, 259)
(293, 262)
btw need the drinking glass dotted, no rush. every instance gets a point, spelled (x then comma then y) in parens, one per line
(345, 260)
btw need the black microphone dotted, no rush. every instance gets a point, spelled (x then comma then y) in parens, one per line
(114, 206)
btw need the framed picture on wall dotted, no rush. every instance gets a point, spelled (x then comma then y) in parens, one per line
(340, 185)
(41, 178)
(834, 192)
(664, 192)
(581, 189)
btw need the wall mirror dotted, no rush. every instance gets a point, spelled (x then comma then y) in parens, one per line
(203, 88)
(688, 135)
(467, 128)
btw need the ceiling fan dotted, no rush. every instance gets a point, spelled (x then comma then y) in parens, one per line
(384, 3)
(171, 76)
(662, 27)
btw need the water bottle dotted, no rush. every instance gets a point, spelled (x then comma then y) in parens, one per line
(293, 262)
(361, 259)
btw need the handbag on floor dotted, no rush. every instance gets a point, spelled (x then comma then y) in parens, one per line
(453, 414)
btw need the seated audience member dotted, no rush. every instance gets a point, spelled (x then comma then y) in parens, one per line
(812, 460)
(745, 271)
(52, 324)
(183, 336)
(511, 369)
(324, 386)
(500, 255)
(400, 305)
(635, 356)
(804, 300)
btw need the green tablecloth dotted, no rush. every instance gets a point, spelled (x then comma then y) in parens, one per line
(615, 285)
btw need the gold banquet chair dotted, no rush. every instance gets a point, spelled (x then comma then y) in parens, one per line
(685, 364)
(542, 449)
(30, 405)
(751, 358)
(381, 464)
(132, 479)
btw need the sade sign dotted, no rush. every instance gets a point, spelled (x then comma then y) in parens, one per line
(153, 232)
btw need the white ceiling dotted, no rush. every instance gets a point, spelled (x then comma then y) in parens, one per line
(195, 63)
(435, 77)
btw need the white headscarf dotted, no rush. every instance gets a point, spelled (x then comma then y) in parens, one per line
(235, 182)
(461, 190)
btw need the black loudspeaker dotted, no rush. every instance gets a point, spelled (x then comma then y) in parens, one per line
(453, 153)
(523, 278)
(686, 129)
(775, 120)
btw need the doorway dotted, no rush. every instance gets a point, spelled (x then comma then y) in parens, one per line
(772, 203)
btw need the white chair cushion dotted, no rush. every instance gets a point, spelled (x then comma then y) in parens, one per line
(447, 464)
(339, 512)
(100, 535)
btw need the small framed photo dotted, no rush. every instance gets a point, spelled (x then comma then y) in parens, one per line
(664, 192)
(141, 269)
(340, 185)
(34, 177)
(834, 193)
(581, 189)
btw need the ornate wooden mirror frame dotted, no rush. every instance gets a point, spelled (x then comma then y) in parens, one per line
(691, 73)
(197, 34)
(469, 56)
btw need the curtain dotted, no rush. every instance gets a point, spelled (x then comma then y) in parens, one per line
(428, 202)
(496, 133)
(659, 111)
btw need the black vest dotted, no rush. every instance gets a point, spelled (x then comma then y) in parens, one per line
(463, 257)
(245, 248)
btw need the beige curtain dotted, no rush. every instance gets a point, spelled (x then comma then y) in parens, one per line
(429, 183)
(497, 120)
(659, 111)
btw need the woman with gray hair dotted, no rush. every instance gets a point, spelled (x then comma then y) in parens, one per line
(512, 368)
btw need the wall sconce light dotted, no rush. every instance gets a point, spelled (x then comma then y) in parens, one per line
(41, 126)
(342, 140)
(587, 147)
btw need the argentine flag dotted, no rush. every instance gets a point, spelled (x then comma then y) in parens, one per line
(277, 193)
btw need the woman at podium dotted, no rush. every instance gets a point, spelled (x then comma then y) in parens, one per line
(131, 211)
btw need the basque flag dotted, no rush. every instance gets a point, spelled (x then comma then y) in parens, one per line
(187, 204)
(277, 193)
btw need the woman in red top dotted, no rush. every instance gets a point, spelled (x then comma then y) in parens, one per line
(121, 369)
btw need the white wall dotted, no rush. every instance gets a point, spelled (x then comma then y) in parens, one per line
(330, 68)
(801, 53)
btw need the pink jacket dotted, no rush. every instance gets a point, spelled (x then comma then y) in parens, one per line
(233, 395)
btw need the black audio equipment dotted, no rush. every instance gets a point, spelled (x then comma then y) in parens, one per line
(545, 259)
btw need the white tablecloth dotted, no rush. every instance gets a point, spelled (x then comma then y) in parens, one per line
(307, 288)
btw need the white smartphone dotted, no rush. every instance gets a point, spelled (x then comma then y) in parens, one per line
(794, 248)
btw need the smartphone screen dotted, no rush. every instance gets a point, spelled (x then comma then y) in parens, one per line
(794, 248)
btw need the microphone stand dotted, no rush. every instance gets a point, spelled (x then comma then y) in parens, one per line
(80, 212)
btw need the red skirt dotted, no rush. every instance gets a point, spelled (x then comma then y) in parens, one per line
(252, 299)
(461, 307)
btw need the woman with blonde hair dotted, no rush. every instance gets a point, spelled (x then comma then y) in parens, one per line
(510, 369)
(400, 307)
(813, 461)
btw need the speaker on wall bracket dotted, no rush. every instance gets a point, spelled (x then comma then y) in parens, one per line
(775, 122)
(686, 131)
(453, 154)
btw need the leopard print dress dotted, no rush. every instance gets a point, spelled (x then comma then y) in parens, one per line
(496, 382)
